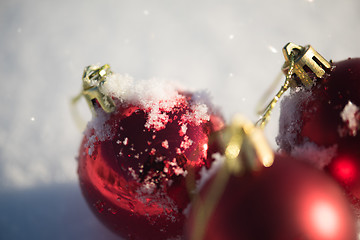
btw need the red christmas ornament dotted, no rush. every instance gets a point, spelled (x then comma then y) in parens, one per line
(138, 164)
(288, 200)
(327, 115)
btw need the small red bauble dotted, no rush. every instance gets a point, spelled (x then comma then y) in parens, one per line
(138, 164)
(327, 115)
(287, 201)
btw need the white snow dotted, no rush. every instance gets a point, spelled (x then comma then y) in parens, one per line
(289, 121)
(156, 119)
(156, 96)
(186, 143)
(45, 46)
(350, 116)
(317, 156)
(183, 129)
(101, 131)
(199, 114)
(289, 125)
(165, 144)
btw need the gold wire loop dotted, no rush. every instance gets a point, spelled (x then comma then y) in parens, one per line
(268, 93)
(268, 109)
(79, 121)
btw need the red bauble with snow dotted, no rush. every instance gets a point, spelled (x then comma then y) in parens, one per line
(138, 164)
(289, 200)
(325, 119)
(280, 199)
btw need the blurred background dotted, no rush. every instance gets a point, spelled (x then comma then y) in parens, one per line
(232, 48)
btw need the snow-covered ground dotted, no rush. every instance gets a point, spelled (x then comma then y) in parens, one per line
(231, 48)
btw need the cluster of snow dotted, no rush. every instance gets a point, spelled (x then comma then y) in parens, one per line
(101, 132)
(157, 97)
(350, 116)
(289, 128)
(289, 124)
(199, 114)
(289, 120)
(317, 156)
(149, 195)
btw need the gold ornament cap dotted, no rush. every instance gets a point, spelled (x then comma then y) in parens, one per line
(94, 78)
(243, 136)
(246, 149)
(303, 65)
(306, 60)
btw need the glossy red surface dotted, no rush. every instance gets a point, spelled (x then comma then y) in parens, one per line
(321, 115)
(137, 180)
(319, 121)
(287, 201)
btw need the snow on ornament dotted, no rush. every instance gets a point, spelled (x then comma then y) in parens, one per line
(142, 152)
(258, 194)
(322, 111)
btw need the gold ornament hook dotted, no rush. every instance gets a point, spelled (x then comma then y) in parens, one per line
(240, 133)
(94, 78)
(303, 65)
(241, 138)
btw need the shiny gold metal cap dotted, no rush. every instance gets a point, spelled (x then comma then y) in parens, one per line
(306, 60)
(94, 78)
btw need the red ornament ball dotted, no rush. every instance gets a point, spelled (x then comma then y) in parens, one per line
(138, 163)
(326, 119)
(289, 200)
